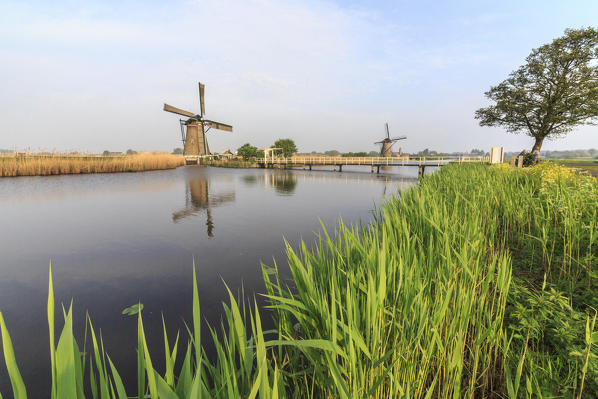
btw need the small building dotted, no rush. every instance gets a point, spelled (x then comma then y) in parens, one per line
(227, 155)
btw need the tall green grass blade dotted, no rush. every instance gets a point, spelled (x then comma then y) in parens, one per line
(196, 320)
(66, 374)
(51, 329)
(151, 376)
(120, 388)
(18, 387)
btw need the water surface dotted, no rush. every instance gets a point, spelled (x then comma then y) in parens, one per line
(116, 239)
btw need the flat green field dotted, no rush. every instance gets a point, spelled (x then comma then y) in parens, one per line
(589, 165)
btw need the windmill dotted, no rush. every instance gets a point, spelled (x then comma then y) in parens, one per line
(387, 143)
(195, 127)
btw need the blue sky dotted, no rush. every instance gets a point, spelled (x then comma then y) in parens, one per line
(91, 76)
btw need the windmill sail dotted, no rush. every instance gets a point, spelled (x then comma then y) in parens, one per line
(202, 106)
(178, 111)
(218, 125)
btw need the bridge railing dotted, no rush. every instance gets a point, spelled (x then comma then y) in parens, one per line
(397, 161)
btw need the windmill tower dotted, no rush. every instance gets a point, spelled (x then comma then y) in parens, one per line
(195, 127)
(387, 143)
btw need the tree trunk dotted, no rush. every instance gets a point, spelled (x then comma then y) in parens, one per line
(538, 144)
(536, 149)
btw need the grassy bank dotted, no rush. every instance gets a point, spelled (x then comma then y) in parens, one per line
(480, 282)
(44, 165)
(231, 164)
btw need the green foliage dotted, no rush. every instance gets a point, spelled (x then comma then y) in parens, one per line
(332, 153)
(177, 151)
(288, 147)
(230, 164)
(133, 309)
(355, 154)
(556, 90)
(528, 159)
(247, 151)
(131, 152)
(18, 387)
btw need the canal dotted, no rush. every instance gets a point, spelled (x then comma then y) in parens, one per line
(118, 239)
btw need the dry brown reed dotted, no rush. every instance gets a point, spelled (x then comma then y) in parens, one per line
(60, 164)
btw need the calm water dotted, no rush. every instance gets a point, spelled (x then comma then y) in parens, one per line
(116, 239)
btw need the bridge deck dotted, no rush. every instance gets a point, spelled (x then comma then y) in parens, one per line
(368, 161)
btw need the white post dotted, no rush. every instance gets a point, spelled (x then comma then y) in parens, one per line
(497, 155)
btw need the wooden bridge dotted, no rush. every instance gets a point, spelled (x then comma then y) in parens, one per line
(373, 162)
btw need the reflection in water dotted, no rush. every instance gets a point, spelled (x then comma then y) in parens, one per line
(250, 180)
(283, 182)
(197, 197)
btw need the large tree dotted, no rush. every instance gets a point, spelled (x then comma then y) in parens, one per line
(247, 151)
(555, 91)
(288, 147)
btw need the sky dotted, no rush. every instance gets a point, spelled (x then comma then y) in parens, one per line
(93, 76)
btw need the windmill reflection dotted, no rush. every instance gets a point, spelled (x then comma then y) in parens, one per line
(198, 198)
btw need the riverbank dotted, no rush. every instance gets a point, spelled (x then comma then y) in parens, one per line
(231, 164)
(60, 164)
(479, 282)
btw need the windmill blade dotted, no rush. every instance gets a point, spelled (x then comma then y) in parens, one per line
(399, 138)
(178, 111)
(387, 131)
(202, 106)
(379, 142)
(218, 125)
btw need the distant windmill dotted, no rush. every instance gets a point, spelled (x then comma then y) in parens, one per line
(194, 139)
(387, 143)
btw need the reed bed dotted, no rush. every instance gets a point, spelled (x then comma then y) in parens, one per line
(45, 165)
(479, 283)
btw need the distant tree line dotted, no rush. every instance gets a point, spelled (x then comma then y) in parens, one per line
(591, 153)
(361, 154)
(128, 152)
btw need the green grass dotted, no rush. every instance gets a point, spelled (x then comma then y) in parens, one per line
(230, 164)
(480, 282)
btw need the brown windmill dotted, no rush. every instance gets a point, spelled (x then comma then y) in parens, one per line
(194, 129)
(387, 143)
